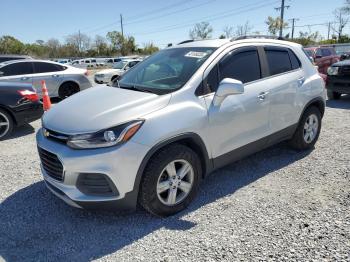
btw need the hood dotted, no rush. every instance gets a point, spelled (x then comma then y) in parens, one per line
(342, 63)
(109, 71)
(101, 107)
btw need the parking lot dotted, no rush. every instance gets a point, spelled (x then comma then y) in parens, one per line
(278, 204)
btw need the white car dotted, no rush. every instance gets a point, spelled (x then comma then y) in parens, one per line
(61, 80)
(108, 75)
(176, 117)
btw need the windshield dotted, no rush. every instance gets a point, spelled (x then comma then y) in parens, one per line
(119, 65)
(166, 70)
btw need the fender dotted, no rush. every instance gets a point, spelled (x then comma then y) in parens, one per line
(195, 139)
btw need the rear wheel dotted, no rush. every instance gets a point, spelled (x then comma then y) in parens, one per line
(170, 181)
(68, 89)
(333, 95)
(308, 129)
(6, 124)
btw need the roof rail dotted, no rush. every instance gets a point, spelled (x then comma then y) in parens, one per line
(187, 41)
(258, 37)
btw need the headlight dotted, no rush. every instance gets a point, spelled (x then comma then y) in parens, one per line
(107, 137)
(332, 70)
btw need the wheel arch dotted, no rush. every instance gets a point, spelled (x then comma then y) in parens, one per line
(318, 102)
(191, 140)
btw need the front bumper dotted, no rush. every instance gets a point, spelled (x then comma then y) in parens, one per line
(120, 164)
(102, 79)
(339, 84)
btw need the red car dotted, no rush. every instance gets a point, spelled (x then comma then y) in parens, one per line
(323, 57)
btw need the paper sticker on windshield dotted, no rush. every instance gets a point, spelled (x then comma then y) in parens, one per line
(194, 54)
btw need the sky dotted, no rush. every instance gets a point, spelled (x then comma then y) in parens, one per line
(160, 22)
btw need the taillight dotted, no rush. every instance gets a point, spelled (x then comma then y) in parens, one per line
(30, 95)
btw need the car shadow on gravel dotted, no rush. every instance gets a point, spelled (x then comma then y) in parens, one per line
(20, 131)
(342, 103)
(36, 226)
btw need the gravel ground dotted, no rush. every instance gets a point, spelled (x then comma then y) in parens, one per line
(276, 205)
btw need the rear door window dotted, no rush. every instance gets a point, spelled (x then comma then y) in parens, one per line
(42, 67)
(22, 68)
(294, 60)
(242, 65)
(278, 60)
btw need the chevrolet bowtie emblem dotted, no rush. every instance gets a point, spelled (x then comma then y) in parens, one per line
(46, 133)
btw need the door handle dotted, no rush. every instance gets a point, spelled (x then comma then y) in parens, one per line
(301, 81)
(24, 78)
(55, 75)
(262, 95)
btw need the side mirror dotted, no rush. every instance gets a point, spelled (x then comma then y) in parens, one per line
(227, 87)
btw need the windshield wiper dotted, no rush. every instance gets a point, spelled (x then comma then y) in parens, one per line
(136, 88)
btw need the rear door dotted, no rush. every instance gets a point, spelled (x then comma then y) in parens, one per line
(21, 72)
(51, 73)
(285, 78)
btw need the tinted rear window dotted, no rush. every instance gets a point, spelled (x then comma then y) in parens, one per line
(278, 61)
(42, 67)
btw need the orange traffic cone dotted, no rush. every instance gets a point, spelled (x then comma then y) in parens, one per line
(46, 98)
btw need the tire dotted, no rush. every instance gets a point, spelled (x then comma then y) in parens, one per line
(160, 203)
(67, 89)
(333, 95)
(6, 124)
(306, 135)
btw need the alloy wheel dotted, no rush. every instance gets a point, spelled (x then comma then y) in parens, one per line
(175, 182)
(4, 125)
(310, 128)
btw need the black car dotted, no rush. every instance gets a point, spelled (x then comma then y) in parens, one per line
(338, 79)
(4, 58)
(19, 104)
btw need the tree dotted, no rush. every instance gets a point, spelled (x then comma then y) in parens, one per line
(242, 30)
(149, 48)
(53, 46)
(100, 45)
(342, 19)
(201, 30)
(228, 32)
(80, 42)
(121, 44)
(306, 38)
(274, 24)
(11, 45)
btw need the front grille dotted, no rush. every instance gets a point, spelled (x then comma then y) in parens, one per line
(51, 164)
(96, 184)
(345, 70)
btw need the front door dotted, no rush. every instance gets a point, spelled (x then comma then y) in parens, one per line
(240, 119)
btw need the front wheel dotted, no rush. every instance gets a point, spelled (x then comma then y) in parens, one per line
(170, 181)
(308, 129)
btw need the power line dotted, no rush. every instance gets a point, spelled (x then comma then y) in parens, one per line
(170, 13)
(215, 17)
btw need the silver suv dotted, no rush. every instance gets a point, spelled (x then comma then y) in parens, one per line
(174, 118)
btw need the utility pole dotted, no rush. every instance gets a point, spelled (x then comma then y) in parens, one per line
(283, 6)
(79, 43)
(293, 25)
(329, 29)
(121, 24)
